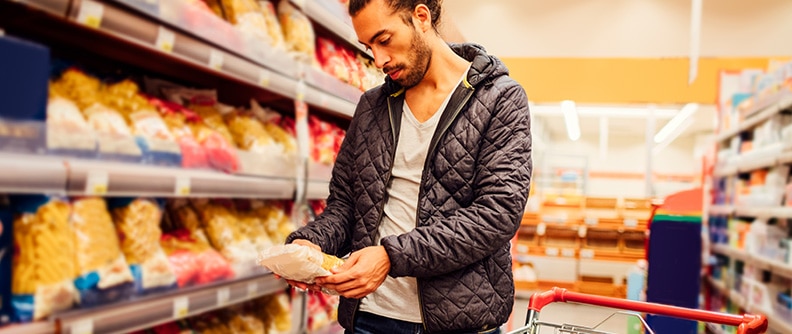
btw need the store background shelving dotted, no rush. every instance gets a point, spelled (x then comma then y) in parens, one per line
(750, 215)
(131, 32)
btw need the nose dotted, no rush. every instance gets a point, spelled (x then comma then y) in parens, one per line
(381, 58)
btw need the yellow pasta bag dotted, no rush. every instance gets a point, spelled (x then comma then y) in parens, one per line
(248, 132)
(221, 223)
(102, 270)
(138, 225)
(43, 262)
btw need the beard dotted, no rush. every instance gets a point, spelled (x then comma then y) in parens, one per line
(417, 62)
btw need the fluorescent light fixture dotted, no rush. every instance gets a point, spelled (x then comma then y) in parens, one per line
(571, 119)
(675, 123)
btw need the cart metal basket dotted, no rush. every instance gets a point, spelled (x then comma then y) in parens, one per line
(746, 323)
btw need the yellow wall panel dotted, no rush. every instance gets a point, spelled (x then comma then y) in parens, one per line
(623, 80)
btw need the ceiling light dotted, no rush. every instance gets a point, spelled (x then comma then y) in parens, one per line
(571, 119)
(674, 124)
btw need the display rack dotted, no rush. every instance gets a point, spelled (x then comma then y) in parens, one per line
(148, 311)
(761, 262)
(774, 323)
(157, 37)
(760, 113)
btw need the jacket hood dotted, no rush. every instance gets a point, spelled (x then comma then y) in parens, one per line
(484, 67)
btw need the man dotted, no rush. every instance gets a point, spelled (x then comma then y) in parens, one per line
(430, 184)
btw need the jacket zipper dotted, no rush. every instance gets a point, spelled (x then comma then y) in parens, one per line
(423, 177)
(382, 206)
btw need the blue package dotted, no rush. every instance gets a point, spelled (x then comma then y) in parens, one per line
(6, 253)
(24, 74)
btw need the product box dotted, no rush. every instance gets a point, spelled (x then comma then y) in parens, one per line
(24, 68)
(6, 252)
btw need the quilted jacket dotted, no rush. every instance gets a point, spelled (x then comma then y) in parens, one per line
(472, 196)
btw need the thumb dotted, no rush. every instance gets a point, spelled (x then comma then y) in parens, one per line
(349, 263)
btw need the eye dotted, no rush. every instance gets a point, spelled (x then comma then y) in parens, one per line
(385, 41)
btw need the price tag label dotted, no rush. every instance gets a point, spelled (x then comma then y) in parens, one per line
(96, 183)
(216, 59)
(181, 307)
(264, 78)
(165, 39)
(587, 253)
(551, 252)
(84, 326)
(252, 289)
(91, 13)
(568, 252)
(223, 296)
(630, 222)
(182, 186)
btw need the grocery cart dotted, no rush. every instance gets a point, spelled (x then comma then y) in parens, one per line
(746, 323)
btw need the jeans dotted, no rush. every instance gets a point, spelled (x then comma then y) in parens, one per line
(368, 323)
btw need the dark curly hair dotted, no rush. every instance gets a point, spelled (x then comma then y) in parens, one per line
(403, 7)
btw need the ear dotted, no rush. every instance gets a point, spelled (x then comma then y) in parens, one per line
(422, 18)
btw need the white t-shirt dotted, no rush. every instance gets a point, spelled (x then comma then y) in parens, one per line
(397, 298)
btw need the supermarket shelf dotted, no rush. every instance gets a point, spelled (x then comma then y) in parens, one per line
(762, 158)
(764, 212)
(56, 7)
(196, 52)
(760, 113)
(785, 158)
(725, 171)
(150, 311)
(721, 210)
(318, 190)
(774, 266)
(87, 177)
(42, 327)
(32, 174)
(775, 323)
(332, 15)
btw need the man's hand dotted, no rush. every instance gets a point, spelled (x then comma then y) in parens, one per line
(360, 275)
(301, 285)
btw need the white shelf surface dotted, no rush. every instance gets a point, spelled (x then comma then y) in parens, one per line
(760, 113)
(774, 266)
(32, 174)
(149, 311)
(764, 212)
(722, 210)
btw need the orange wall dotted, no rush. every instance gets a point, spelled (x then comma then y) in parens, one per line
(623, 80)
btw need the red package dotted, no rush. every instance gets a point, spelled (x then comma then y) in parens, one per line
(193, 261)
(220, 153)
(177, 118)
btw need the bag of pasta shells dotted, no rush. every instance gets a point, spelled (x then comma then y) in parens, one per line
(43, 261)
(103, 272)
(137, 221)
(220, 222)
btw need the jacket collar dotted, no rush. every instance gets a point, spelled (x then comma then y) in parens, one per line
(483, 67)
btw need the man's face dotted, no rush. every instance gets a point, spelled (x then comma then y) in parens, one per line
(399, 49)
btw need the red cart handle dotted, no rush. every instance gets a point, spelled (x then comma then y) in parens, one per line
(746, 324)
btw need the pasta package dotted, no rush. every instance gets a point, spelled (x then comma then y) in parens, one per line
(277, 319)
(67, 129)
(176, 118)
(138, 224)
(298, 263)
(275, 219)
(222, 227)
(194, 261)
(43, 262)
(248, 132)
(103, 275)
(298, 32)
